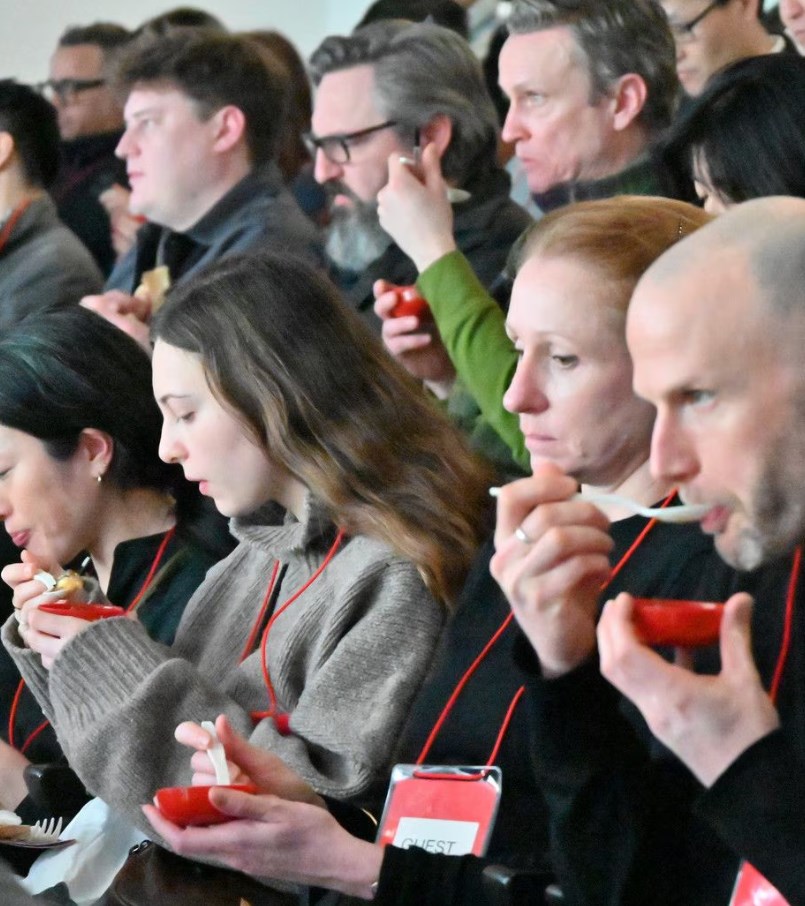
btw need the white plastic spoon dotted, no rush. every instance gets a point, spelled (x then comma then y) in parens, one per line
(217, 755)
(675, 515)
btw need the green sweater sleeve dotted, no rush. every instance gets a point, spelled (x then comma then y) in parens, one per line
(472, 328)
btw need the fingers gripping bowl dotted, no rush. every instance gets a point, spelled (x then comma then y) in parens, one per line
(190, 806)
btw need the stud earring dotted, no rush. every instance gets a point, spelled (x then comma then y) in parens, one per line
(100, 479)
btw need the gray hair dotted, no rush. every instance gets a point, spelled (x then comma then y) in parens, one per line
(615, 37)
(422, 70)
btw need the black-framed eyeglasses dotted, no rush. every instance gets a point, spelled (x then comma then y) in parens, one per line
(67, 89)
(683, 31)
(336, 147)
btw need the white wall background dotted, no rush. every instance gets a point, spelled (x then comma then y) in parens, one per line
(30, 28)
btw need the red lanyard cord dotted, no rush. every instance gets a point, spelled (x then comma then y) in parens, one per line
(505, 725)
(272, 696)
(785, 645)
(250, 642)
(498, 633)
(12, 716)
(152, 571)
(460, 687)
(8, 226)
(636, 543)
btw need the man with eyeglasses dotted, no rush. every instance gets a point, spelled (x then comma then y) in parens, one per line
(90, 123)
(393, 88)
(710, 36)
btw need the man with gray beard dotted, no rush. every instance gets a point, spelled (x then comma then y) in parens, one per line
(392, 88)
(354, 238)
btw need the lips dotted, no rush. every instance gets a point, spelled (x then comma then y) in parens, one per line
(685, 76)
(536, 442)
(20, 539)
(716, 520)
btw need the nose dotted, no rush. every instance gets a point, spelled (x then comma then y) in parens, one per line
(325, 170)
(525, 394)
(790, 9)
(673, 455)
(169, 448)
(512, 125)
(123, 149)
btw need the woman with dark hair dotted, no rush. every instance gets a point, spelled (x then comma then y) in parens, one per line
(744, 136)
(358, 509)
(80, 474)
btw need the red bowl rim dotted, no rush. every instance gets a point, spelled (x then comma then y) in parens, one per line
(100, 610)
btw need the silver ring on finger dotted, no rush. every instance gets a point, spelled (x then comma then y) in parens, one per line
(521, 535)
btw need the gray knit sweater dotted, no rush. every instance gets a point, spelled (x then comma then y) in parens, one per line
(345, 660)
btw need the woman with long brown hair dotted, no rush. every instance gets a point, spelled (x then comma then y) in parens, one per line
(358, 510)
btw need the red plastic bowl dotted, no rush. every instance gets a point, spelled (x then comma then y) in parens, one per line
(683, 624)
(89, 612)
(409, 302)
(190, 806)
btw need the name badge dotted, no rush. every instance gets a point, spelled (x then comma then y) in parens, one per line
(752, 889)
(442, 809)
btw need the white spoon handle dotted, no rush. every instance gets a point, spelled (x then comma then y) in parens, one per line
(217, 755)
(671, 514)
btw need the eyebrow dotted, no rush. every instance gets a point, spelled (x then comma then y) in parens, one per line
(172, 396)
(143, 111)
(518, 87)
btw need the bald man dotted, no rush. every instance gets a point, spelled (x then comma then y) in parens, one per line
(716, 329)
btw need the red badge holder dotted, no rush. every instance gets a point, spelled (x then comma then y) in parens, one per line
(443, 809)
(752, 889)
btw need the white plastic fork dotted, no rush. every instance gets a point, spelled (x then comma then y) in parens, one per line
(675, 515)
(46, 830)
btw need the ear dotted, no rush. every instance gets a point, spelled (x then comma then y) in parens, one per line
(6, 149)
(628, 97)
(97, 448)
(438, 132)
(229, 128)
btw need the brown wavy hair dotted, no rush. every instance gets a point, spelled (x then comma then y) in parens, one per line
(323, 398)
